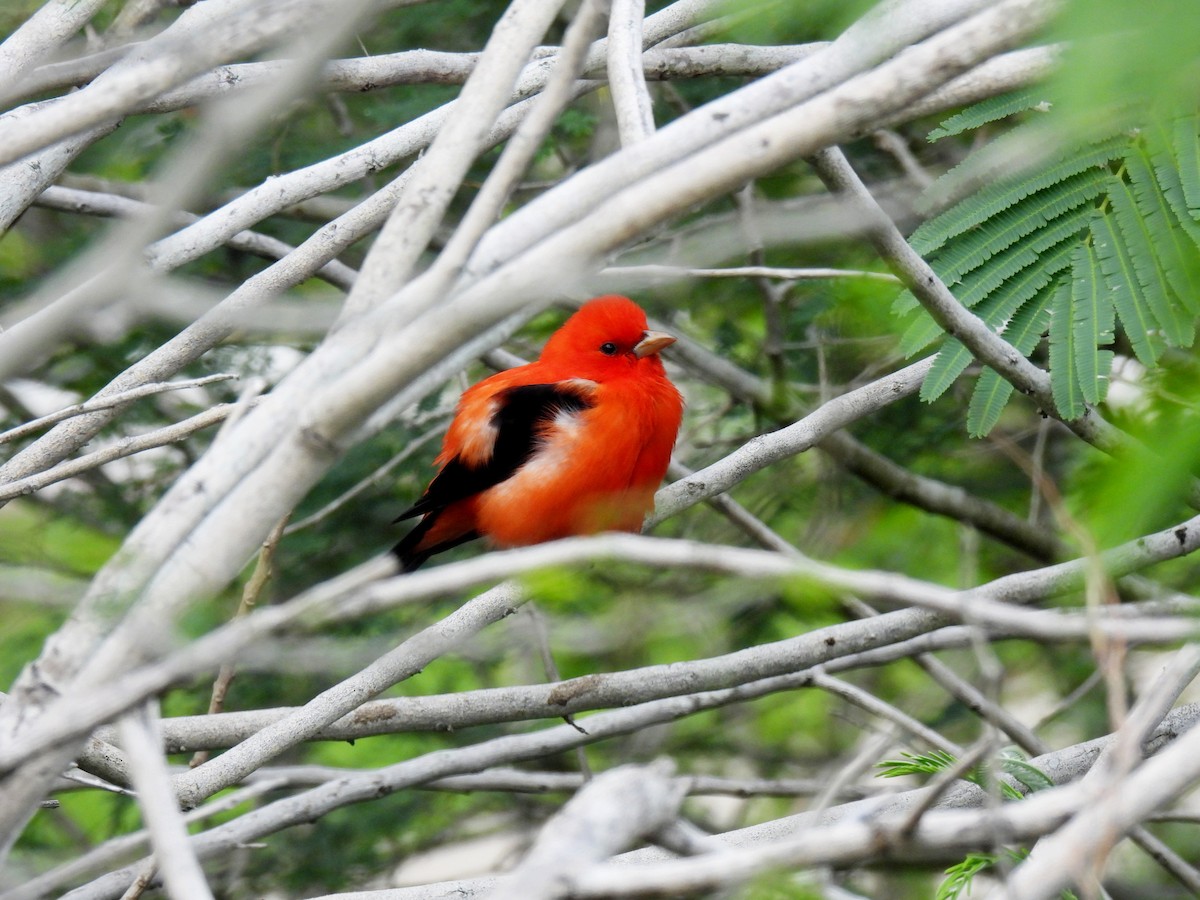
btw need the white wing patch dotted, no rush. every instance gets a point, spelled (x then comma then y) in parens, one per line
(565, 420)
(559, 443)
(479, 437)
(582, 384)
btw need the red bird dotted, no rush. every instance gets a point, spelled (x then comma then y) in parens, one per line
(575, 443)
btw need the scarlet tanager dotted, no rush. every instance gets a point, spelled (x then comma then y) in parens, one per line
(575, 443)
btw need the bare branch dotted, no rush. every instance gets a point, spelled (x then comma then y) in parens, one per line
(98, 204)
(853, 831)
(109, 402)
(885, 711)
(160, 437)
(795, 438)
(434, 178)
(49, 27)
(1078, 849)
(610, 813)
(168, 833)
(204, 36)
(626, 79)
(651, 274)
(117, 851)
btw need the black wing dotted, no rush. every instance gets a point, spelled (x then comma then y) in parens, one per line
(520, 414)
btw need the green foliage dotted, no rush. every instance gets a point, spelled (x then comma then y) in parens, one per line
(876, 545)
(960, 876)
(782, 886)
(991, 110)
(1011, 762)
(786, 22)
(1121, 498)
(1015, 765)
(1121, 57)
(20, 258)
(916, 764)
(1106, 235)
(30, 534)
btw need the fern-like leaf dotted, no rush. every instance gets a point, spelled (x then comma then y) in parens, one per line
(924, 330)
(991, 395)
(1024, 771)
(990, 275)
(980, 244)
(960, 876)
(994, 199)
(915, 764)
(1139, 247)
(981, 281)
(954, 358)
(992, 391)
(1169, 174)
(1134, 258)
(1063, 380)
(1170, 243)
(1186, 139)
(1122, 282)
(1091, 324)
(990, 110)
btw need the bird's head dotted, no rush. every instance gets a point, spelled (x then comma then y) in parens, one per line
(607, 338)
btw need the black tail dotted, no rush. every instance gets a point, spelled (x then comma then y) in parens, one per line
(411, 558)
(406, 551)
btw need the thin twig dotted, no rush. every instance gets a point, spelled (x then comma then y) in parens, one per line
(263, 571)
(884, 710)
(374, 478)
(107, 402)
(541, 637)
(663, 273)
(160, 437)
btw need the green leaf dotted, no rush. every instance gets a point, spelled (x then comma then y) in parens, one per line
(960, 876)
(916, 764)
(991, 110)
(1091, 323)
(1170, 243)
(988, 400)
(1026, 328)
(921, 332)
(905, 302)
(954, 357)
(1085, 165)
(992, 391)
(1136, 257)
(1155, 288)
(924, 330)
(1025, 772)
(1186, 139)
(1121, 280)
(1169, 174)
(1032, 251)
(1063, 382)
(977, 246)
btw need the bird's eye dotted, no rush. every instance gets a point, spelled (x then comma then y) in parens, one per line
(608, 348)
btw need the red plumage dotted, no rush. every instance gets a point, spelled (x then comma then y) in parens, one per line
(575, 443)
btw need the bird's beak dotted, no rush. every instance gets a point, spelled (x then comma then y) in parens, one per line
(652, 342)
